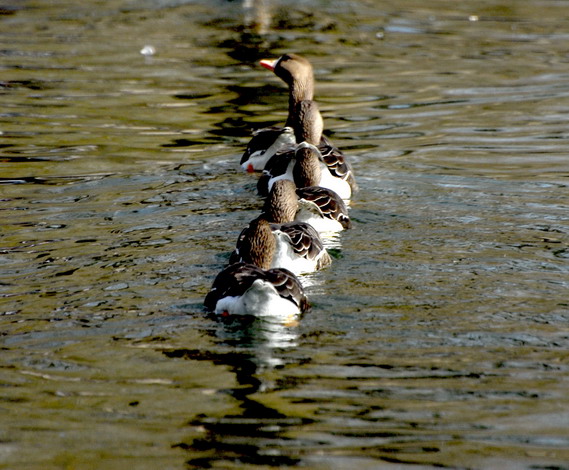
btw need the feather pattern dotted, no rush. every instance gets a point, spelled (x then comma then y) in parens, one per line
(247, 289)
(324, 203)
(297, 73)
(336, 162)
(265, 143)
(304, 240)
(327, 167)
(294, 246)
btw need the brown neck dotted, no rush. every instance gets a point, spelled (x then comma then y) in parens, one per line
(282, 203)
(308, 125)
(259, 245)
(299, 90)
(306, 171)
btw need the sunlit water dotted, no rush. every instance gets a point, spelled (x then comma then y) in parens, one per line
(439, 335)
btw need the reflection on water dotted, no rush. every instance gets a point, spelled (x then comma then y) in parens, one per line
(264, 334)
(249, 348)
(438, 337)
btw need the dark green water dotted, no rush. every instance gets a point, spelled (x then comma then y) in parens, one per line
(438, 338)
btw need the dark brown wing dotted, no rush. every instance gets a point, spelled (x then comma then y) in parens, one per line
(328, 203)
(234, 281)
(277, 165)
(262, 140)
(305, 240)
(337, 164)
(288, 286)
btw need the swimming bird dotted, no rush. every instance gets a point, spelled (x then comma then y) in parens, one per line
(295, 246)
(297, 73)
(320, 207)
(246, 289)
(313, 162)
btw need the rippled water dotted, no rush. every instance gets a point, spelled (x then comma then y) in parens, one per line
(438, 337)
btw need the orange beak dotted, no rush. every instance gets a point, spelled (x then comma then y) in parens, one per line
(269, 64)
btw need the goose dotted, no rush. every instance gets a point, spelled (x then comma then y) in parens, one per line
(313, 162)
(296, 72)
(293, 246)
(246, 289)
(320, 207)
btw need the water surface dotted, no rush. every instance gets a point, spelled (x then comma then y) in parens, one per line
(439, 336)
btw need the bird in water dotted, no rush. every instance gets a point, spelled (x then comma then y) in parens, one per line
(297, 73)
